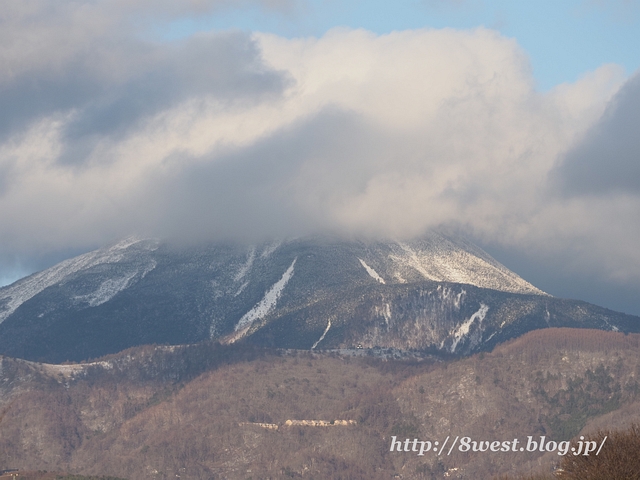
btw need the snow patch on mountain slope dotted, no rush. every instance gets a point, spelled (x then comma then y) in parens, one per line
(268, 302)
(244, 269)
(148, 267)
(463, 329)
(443, 259)
(399, 277)
(372, 273)
(16, 294)
(269, 249)
(322, 336)
(107, 290)
(411, 259)
(70, 370)
(449, 295)
(241, 289)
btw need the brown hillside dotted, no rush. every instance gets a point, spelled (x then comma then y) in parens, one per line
(193, 412)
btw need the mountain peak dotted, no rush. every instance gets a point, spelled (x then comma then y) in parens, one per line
(443, 257)
(438, 292)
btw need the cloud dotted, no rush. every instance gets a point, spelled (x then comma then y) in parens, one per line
(607, 160)
(88, 58)
(232, 135)
(594, 191)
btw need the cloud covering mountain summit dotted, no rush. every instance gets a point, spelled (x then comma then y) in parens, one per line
(108, 132)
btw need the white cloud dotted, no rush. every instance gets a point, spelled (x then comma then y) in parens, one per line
(223, 135)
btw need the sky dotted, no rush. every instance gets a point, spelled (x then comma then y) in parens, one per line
(514, 123)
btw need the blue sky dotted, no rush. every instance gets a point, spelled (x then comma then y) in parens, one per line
(564, 39)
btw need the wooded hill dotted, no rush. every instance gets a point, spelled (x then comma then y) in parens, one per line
(194, 412)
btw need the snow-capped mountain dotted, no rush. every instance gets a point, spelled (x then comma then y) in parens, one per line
(132, 266)
(438, 293)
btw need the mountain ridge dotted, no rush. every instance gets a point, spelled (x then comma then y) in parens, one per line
(436, 293)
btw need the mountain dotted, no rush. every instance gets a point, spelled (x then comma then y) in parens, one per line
(211, 411)
(439, 293)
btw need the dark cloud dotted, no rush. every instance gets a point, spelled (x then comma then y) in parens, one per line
(89, 60)
(607, 160)
(6, 174)
(550, 271)
(36, 94)
(286, 184)
(224, 66)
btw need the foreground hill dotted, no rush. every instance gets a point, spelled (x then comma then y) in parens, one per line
(215, 411)
(439, 293)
